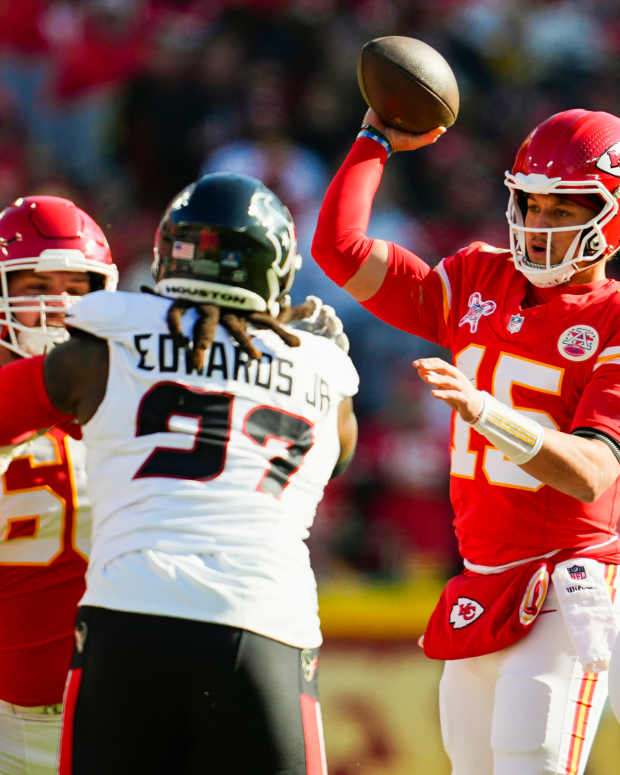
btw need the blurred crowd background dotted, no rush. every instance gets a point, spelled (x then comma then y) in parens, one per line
(118, 104)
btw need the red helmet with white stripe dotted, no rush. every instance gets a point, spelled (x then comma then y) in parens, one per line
(46, 234)
(576, 152)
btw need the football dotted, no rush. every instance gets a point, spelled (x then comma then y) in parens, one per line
(408, 84)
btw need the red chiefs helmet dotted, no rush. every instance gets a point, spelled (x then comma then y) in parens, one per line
(576, 152)
(46, 234)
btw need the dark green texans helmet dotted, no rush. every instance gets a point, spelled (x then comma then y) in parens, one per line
(227, 240)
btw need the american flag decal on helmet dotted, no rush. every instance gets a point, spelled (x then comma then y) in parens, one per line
(183, 250)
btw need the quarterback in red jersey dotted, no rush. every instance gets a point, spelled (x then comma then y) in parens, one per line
(50, 252)
(535, 388)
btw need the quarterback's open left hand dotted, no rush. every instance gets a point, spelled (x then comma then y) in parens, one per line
(450, 385)
(323, 321)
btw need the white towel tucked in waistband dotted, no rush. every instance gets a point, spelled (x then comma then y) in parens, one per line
(585, 602)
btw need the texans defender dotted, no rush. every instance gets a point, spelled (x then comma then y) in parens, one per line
(526, 630)
(211, 429)
(51, 252)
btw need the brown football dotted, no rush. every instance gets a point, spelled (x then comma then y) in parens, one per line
(407, 83)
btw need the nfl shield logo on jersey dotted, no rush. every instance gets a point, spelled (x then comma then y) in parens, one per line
(464, 612)
(515, 323)
(577, 572)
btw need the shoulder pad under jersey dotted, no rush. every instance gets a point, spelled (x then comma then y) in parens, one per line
(110, 315)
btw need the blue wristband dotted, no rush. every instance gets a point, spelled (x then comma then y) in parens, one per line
(374, 134)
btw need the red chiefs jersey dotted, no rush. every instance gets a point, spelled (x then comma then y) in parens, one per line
(43, 550)
(553, 354)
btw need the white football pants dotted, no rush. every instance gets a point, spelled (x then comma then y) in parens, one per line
(527, 710)
(29, 739)
(614, 680)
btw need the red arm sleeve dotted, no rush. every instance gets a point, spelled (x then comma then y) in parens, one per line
(25, 406)
(340, 244)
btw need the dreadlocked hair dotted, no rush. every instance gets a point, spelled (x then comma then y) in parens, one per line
(290, 314)
(235, 322)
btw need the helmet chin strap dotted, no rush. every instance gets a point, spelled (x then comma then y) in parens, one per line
(548, 275)
(546, 279)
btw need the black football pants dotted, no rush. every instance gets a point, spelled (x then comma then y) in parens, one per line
(157, 695)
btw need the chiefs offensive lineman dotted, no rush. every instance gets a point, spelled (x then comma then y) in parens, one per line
(526, 630)
(51, 252)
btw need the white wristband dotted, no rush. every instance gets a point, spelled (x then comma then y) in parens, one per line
(513, 433)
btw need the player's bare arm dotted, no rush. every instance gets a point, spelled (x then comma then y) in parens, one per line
(76, 374)
(347, 434)
(580, 467)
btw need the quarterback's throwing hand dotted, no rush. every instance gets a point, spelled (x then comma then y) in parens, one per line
(403, 141)
(450, 385)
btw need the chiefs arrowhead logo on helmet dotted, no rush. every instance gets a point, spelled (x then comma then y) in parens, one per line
(610, 160)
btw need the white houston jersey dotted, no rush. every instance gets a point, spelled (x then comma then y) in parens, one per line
(226, 465)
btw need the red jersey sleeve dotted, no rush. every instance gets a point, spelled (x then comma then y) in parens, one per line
(599, 406)
(412, 296)
(425, 301)
(25, 406)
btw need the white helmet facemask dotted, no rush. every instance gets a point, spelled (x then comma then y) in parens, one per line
(589, 243)
(25, 340)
